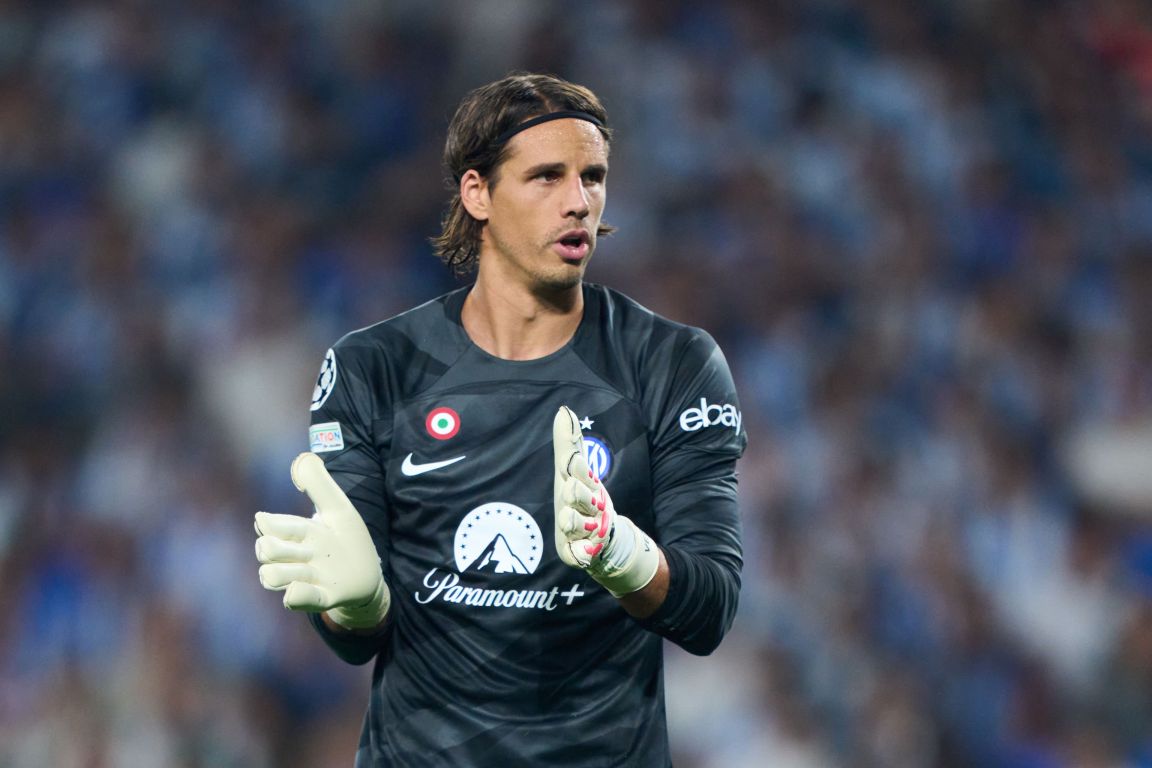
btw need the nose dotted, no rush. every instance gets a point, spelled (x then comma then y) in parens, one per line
(576, 199)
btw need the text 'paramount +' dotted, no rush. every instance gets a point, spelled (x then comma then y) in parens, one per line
(446, 587)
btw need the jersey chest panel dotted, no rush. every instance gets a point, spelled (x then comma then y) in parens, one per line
(470, 475)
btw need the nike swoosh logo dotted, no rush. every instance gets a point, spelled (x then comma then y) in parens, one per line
(411, 468)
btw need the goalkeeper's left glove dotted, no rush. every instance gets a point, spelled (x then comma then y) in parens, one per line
(589, 532)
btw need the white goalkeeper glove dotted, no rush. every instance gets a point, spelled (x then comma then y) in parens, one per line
(327, 562)
(589, 533)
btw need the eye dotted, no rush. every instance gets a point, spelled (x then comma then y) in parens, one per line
(549, 176)
(593, 177)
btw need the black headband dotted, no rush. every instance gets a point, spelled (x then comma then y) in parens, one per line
(502, 138)
(508, 134)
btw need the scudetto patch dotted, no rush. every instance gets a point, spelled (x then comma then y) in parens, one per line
(325, 382)
(326, 437)
(442, 423)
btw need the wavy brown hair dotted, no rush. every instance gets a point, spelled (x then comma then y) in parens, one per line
(482, 116)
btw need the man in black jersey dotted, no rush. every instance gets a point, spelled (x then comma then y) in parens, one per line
(521, 487)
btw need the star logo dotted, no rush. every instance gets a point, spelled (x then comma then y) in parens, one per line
(586, 423)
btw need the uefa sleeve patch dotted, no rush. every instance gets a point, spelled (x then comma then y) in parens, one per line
(325, 382)
(326, 437)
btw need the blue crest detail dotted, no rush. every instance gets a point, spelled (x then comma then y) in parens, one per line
(598, 456)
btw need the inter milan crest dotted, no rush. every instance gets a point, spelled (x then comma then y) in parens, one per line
(598, 456)
(325, 381)
(442, 423)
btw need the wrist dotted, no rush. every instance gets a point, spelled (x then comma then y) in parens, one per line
(629, 561)
(369, 615)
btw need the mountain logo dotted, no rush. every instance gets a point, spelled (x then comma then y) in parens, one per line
(498, 538)
(498, 558)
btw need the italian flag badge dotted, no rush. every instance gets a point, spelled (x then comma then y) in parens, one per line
(442, 423)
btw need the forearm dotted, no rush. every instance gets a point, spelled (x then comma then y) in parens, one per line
(355, 646)
(644, 602)
(698, 526)
(693, 608)
(700, 594)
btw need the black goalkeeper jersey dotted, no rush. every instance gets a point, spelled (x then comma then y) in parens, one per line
(496, 653)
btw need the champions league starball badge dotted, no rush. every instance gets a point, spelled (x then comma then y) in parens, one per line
(326, 381)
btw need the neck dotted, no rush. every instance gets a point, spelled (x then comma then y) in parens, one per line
(513, 323)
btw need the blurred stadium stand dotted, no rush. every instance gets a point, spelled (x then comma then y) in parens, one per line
(922, 232)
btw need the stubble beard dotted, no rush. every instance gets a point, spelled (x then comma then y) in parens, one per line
(557, 284)
(564, 276)
(545, 274)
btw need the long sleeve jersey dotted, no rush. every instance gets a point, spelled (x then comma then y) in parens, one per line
(495, 652)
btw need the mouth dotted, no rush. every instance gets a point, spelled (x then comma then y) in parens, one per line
(573, 246)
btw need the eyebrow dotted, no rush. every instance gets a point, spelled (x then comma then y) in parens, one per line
(540, 168)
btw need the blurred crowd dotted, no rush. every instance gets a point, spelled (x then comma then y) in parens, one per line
(921, 231)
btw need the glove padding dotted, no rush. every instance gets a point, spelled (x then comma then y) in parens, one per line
(327, 562)
(589, 532)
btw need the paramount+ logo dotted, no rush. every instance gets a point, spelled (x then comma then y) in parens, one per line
(710, 415)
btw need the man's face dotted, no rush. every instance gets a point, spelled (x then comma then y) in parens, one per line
(546, 204)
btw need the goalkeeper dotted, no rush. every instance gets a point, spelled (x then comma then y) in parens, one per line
(523, 487)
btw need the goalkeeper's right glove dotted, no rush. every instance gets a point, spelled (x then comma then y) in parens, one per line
(327, 562)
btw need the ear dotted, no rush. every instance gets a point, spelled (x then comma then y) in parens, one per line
(474, 194)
